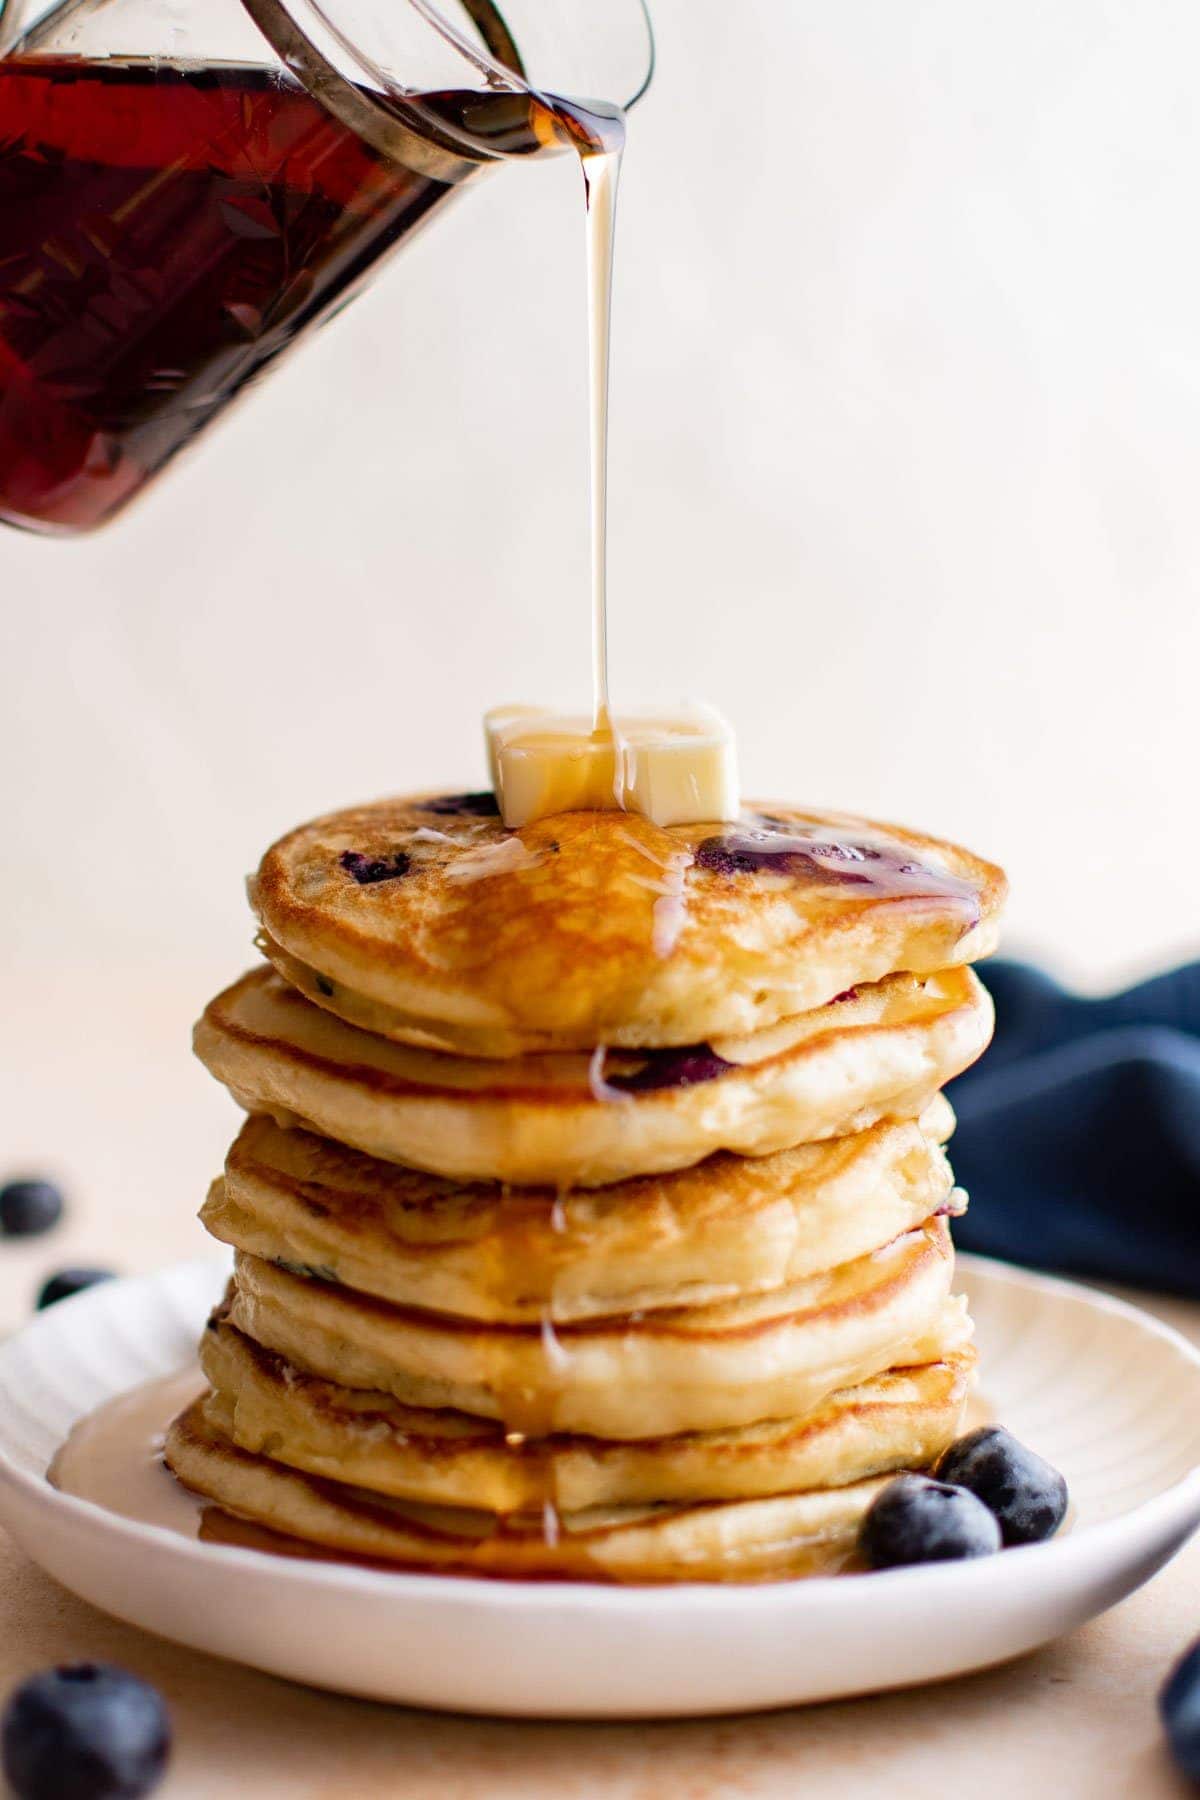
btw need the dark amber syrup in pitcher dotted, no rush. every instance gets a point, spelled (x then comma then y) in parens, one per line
(165, 233)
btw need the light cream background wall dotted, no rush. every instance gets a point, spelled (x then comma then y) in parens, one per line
(906, 445)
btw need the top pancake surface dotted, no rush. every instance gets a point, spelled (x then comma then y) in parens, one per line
(425, 920)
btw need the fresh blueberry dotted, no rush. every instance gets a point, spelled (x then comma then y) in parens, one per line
(916, 1520)
(1179, 1706)
(1027, 1496)
(68, 1282)
(89, 1732)
(29, 1207)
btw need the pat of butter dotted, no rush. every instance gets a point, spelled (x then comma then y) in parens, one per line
(676, 768)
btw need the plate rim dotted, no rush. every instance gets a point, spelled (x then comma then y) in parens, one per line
(1156, 1515)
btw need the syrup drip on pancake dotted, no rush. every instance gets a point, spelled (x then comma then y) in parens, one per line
(891, 871)
(538, 1421)
(486, 860)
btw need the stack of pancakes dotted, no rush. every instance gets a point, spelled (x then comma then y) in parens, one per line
(591, 1210)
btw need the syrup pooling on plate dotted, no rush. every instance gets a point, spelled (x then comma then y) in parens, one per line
(114, 1456)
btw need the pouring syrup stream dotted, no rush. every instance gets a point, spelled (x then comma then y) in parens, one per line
(601, 174)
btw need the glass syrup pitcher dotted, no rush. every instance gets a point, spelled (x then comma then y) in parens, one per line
(187, 186)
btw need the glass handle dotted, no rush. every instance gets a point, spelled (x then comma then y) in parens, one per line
(30, 25)
(397, 131)
(10, 22)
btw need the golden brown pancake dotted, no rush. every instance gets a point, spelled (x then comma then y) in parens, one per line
(746, 1540)
(424, 920)
(773, 1356)
(902, 1419)
(566, 1119)
(728, 1226)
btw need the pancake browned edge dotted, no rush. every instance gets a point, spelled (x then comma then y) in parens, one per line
(901, 1419)
(730, 1225)
(688, 1369)
(423, 919)
(745, 1540)
(882, 1052)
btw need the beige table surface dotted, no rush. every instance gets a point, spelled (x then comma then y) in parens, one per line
(142, 1130)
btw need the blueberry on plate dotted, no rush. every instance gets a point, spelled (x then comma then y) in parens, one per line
(1027, 1495)
(88, 1732)
(68, 1282)
(29, 1207)
(917, 1520)
(1179, 1707)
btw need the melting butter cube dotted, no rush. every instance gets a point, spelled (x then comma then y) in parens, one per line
(679, 768)
(675, 768)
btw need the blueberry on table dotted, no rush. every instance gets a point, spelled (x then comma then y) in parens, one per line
(917, 1520)
(29, 1207)
(68, 1282)
(1179, 1705)
(1025, 1493)
(88, 1732)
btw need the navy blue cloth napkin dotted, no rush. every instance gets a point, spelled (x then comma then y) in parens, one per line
(1078, 1134)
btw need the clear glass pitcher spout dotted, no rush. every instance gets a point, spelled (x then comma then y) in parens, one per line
(187, 185)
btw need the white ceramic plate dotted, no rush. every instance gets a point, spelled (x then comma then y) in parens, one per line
(1108, 1394)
